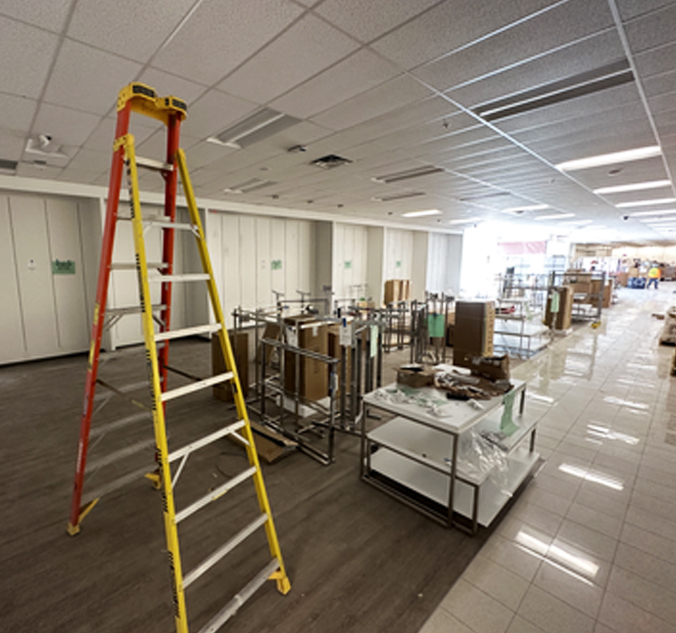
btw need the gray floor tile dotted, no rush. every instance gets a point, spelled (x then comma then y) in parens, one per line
(476, 609)
(553, 615)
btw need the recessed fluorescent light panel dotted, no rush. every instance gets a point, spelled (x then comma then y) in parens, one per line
(420, 214)
(644, 214)
(398, 196)
(637, 186)
(465, 221)
(645, 203)
(577, 223)
(256, 127)
(589, 82)
(557, 216)
(250, 185)
(408, 174)
(611, 159)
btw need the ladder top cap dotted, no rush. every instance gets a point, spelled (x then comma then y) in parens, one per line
(144, 100)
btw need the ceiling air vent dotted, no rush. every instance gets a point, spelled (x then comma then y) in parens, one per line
(7, 166)
(250, 185)
(408, 174)
(330, 161)
(256, 127)
(582, 84)
(399, 196)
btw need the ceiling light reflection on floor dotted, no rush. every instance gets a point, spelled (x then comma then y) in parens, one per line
(607, 434)
(625, 403)
(577, 566)
(589, 475)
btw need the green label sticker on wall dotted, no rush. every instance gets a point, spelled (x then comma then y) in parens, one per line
(66, 267)
(276, 264)
(348, 264)
(398, 264)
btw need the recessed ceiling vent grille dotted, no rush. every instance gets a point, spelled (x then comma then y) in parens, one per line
(417, 172)
(330, 161)
(399, 196)
(7, 166)
(256, 127)
(580, 85)
(254, 184)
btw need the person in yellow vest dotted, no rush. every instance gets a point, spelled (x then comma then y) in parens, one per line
(654, 275)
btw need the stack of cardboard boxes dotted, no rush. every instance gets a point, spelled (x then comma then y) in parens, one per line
(397, 290)
(240, 349)
(561, 320)
(473, 331)
(313, 379)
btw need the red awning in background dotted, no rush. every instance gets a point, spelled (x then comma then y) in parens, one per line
(523, 248)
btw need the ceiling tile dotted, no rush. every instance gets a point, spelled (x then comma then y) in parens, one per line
(28, 170)
(449, 26)
(11, 145)
(659, 84)
(126, 27)
(65, 125)
(87, 160)
(395, 93)
(24, 67)
(579, 57)
(306, 48)
(356, 74)
(17, 112)
(48, 15)
(214, 111)
(102, 137)
(73, 175)
(88, 79)
(655, 61)
(663, 103)
(632, 8)
(166, 84)
(653, 30)
(221, 35)
(368, 20)
(560, 26)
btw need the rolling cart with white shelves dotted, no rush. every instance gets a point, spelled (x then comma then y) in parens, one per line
(414, 455)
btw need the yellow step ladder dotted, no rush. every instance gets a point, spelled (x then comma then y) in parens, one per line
(143, 99)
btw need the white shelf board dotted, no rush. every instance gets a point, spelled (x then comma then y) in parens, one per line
(435, 485)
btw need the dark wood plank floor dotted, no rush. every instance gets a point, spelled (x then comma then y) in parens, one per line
(358, 560)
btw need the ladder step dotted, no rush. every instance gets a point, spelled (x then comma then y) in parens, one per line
(224, 550)
(118, 455)
(214, 494)
(196, 386)
(233, 606)
(205, 441)
(167, 224)
(188, 331)
(116, 484)
(121, 423)
(190, 277)
(132, 310)
(153, 164)
(132, 265)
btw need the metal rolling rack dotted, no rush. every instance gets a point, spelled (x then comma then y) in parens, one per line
(587, 306)
(422, 347)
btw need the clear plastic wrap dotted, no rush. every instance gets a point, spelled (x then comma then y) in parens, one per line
(433, 405)
(481, 453)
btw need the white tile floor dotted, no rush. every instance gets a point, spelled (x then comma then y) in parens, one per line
(590, 546)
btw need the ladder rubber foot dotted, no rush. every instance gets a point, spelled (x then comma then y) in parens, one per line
(283, 585)
(73, 530)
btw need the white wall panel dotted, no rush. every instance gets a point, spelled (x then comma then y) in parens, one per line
(305, 256)
(247, 258)
(443, 263)
(34, 266)
(230, 270)
(398, 253)
(350, 261)
(263, 278)
(277, 254)
(293, 267)
(12, 343)
(69, 290)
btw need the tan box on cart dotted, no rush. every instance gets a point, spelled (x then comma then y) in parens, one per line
(335, 351)
(240, 349)
(313, 377)
(392, 291)
(474, 330)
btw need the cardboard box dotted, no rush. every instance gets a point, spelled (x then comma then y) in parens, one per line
(608, 294)
(240, 348)
(405, 290)
(491, 367)
(561, 320)
(622, 279)
(474, 328)
(313, 377)
(633, 272)
(415, 379)
(392, 291)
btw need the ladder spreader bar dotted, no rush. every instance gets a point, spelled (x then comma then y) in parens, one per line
(132, 310)
(205, 441)
(153, 164)
(167, 224)
(132, 265)
(224, 550)
(188, 331)
(214, 494)
(233, 606)
(196, 386)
